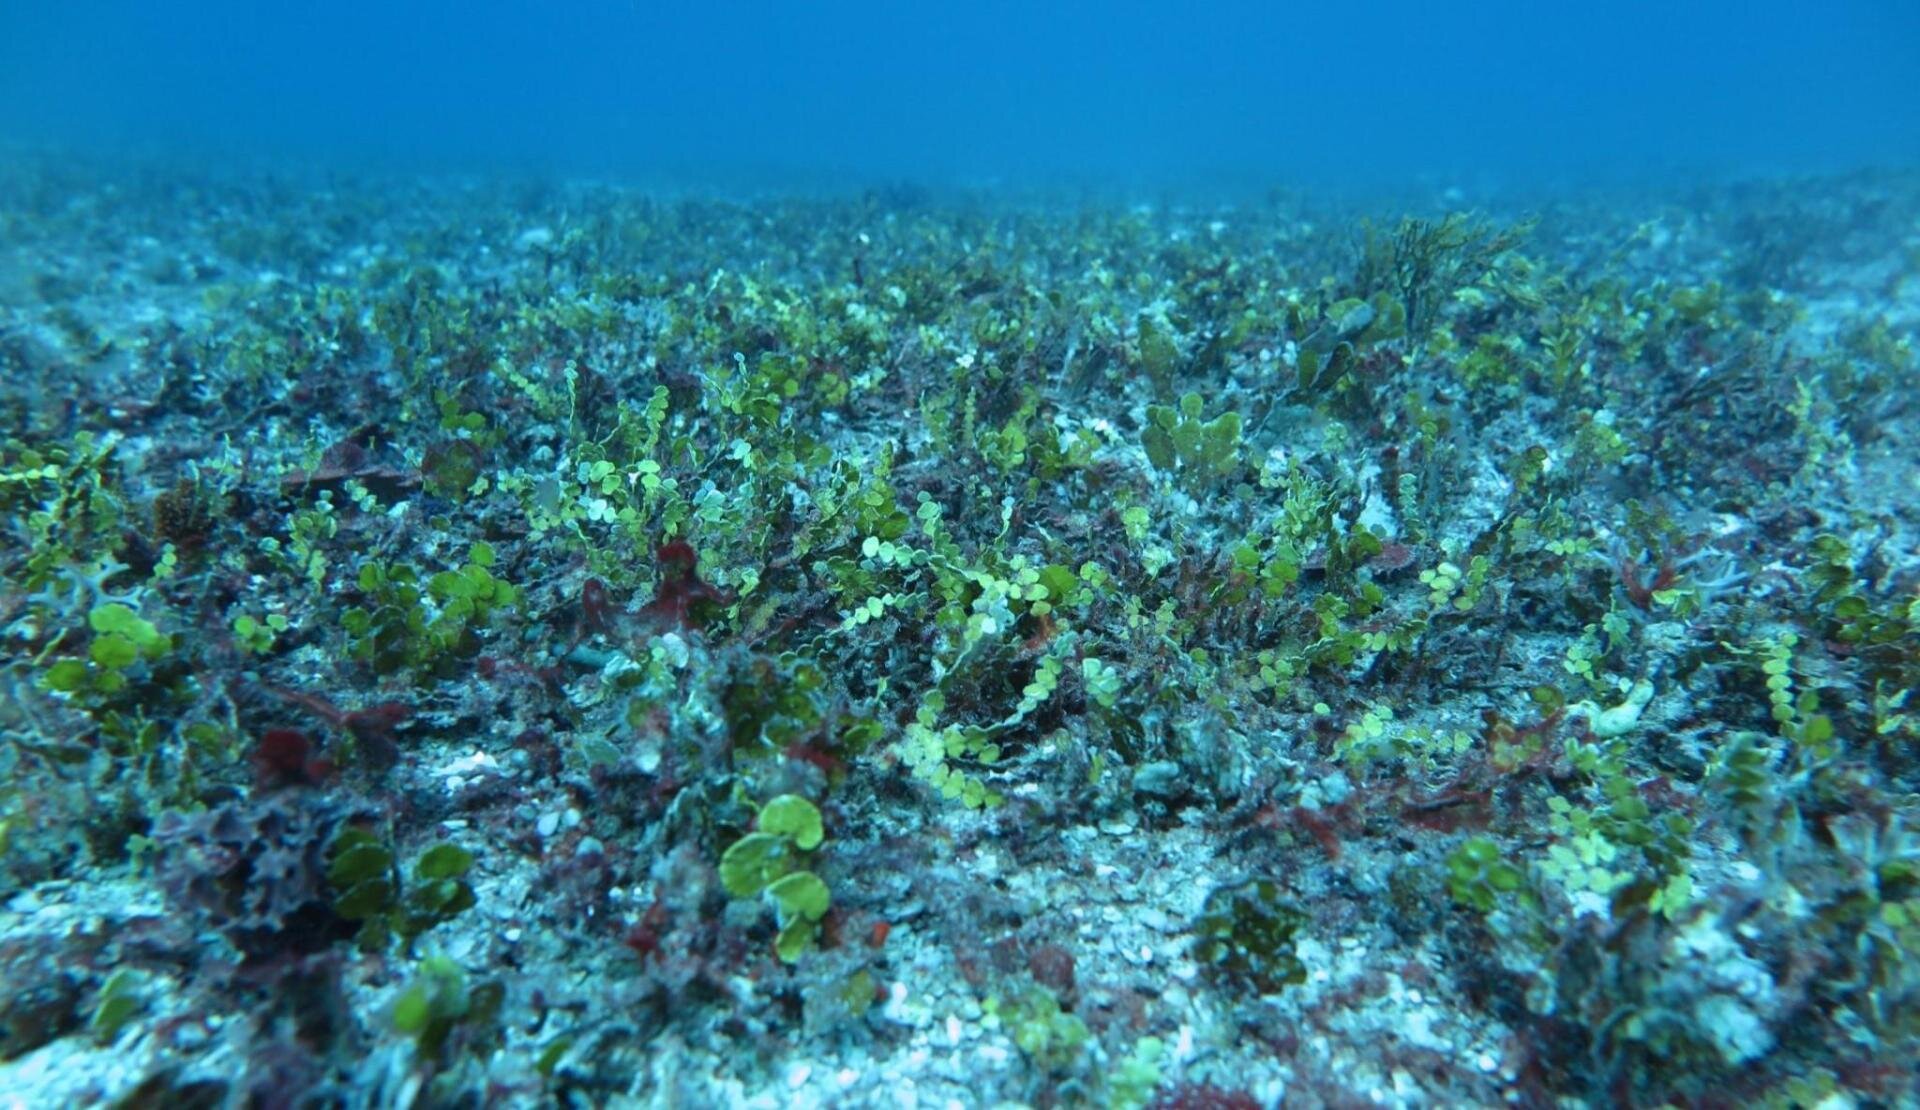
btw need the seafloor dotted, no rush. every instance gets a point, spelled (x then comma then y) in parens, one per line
(479, 644)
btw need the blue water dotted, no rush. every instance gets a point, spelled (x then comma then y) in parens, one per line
(1327, 93)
